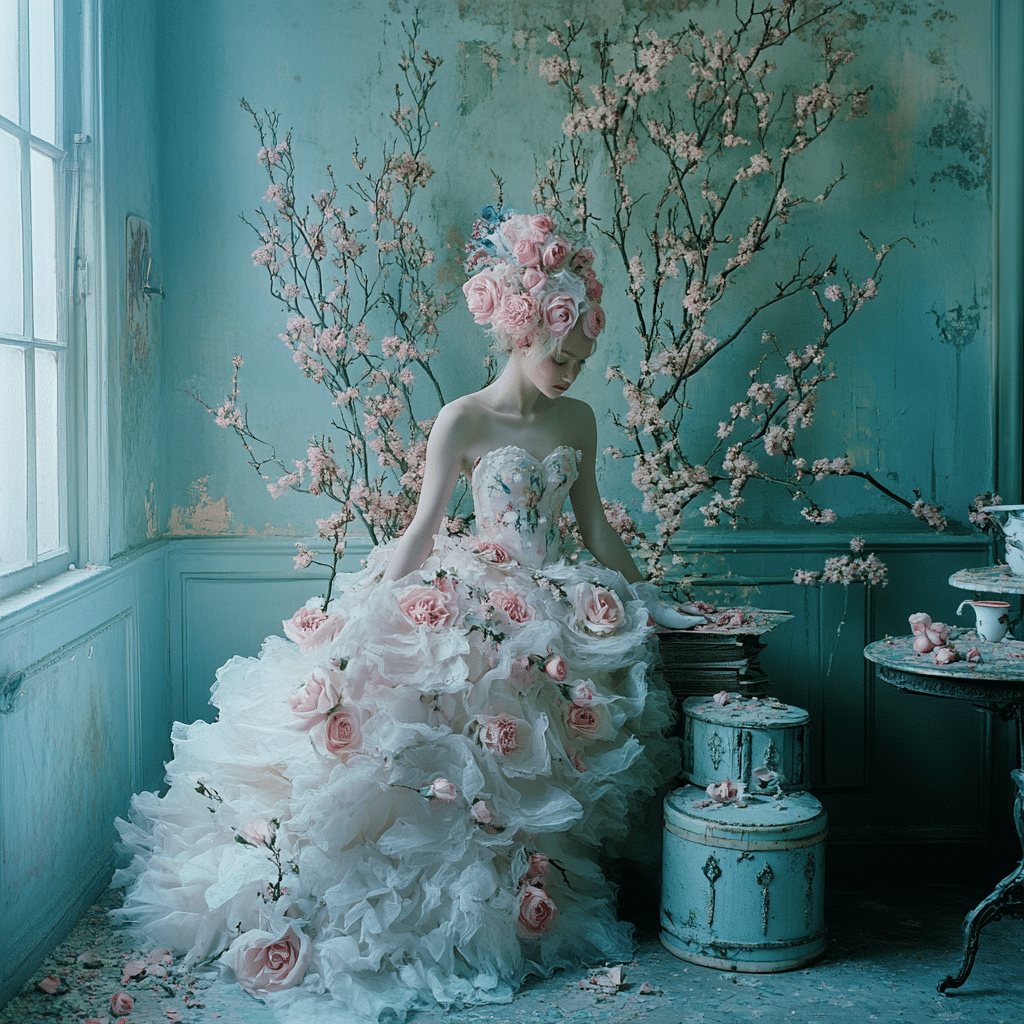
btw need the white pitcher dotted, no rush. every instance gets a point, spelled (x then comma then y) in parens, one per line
(993, 618)
(1013, 534)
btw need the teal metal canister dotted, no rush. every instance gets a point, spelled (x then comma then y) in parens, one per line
(743, 884)
(747, 734)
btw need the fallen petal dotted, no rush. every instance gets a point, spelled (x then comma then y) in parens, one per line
(132, 969)
(173, 1016)
(49, 984)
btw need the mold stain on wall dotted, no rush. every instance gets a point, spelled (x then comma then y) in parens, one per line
(963, 131)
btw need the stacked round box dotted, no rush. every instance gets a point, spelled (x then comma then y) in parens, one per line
(743, 879)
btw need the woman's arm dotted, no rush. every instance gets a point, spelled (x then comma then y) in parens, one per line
(600, 538)
(440, 474)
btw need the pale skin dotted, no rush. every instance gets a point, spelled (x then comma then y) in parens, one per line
(525, 406)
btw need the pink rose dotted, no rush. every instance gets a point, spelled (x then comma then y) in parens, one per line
(559, 314)
(259, 832)
(555, 253)
(597, 609)
(593, 321)
(500, 734)
(721, 698)
(583, 258)
(310, 627)
(427, 606)
(556, 668)
(537, 869)
(492, 552)
(534, 280)
(721, 791)
(527, 252)
(537, 912)
(594, 287)
(337, 734)
(121, 1003)
(918, 621)
(511, 604)
(320, 691)
(541, 222)
(519, 226)
(937, 633)
(443, 790)
(944, 655)
(584, 719)
(974, 654)
(517, 314)
(583, 694)
(923, 645)
(484, 292)
(263, 962)
(481, 813)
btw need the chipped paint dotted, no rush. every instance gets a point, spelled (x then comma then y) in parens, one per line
(152, 521)
(202, 516)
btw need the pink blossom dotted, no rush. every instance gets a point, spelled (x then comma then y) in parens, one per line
(310, 627)
(923, 645)
(484, 292)
(427, 606)
(593, 321)
(537, 912)
(541, 222)
(481, 813)
(265, 962)
(258, 832)
(517, 314)
(527, 252)
(521, 672)
(339, 733)
(918, 622)
(500, 734)
(320, 691)
(534, 280)
(974, 655)
(50, 984)
(511, 604)
(537, 869)
(721, 698)
(443, 790)
(945, 655)
(587, 720)
(559, 314)
(556, 668)
(492, 551)
(597, 609)
(594, 287)
(555, 253)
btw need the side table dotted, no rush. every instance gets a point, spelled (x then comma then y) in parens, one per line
(994, 684)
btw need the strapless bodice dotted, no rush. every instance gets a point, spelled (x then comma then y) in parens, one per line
(518, 499)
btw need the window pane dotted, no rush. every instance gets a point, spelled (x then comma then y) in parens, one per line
(13, 482)
(11, 299)
(9, 93)
(47, 453)
(44, 248)
(42, 69)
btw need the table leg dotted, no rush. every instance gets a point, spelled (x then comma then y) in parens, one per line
(1006, 900)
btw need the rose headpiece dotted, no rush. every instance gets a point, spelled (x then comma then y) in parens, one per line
(527, 281)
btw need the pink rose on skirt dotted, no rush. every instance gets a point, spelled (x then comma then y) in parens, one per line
(500, 734)
(537, 912)
(559, 313)
(121, 1003)
(517, 314)
(584, 719)
(481, 813)
(556, 668)
(583, 694)
(320, 691)
(428, 606)
(512, 605)
(492, 551)
(484, 292)
(338, 734)
(310, 627)
(597, 609)
(443, 790)
(521, 673)
(538, 868)
(259, 832)
(264, 962)
(593, 321)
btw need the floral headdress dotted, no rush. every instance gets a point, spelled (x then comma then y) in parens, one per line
(528, 282)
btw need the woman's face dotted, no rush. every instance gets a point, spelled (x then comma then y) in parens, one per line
(552, 371)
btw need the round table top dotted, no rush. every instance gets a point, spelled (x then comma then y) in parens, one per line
(990, 579)
(997, 677)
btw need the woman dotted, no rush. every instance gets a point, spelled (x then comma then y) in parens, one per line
(404, 802)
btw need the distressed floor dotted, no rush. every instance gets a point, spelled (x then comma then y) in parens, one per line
(889, 945)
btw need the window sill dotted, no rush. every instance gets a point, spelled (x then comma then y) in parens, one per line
(60, 585)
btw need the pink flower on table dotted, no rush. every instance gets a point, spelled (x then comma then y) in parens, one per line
(537, 912)
(121, 1003)
(593, 321)
(722, 791)
(721, 698)
(559, 313)
(555, 253)
(484, 292)
(512, 605)
(918, 622)
(264, 962)
(259, 832)
(320, 691)
(944, 655)
(339, 733)
(492, 551)
(585, 719)
(501, 734)
(974, 654)
(597, 609)
(937, 633)
(428, 606)
(556, 668)
(310, 627)
(527, 252)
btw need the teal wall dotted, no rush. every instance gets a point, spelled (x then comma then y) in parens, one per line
(200, 556)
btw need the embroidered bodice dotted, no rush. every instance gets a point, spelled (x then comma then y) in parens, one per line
(518, 499)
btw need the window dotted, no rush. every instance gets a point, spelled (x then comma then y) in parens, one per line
(37, 180)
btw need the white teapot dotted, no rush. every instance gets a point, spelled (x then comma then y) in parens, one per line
(1013, 534)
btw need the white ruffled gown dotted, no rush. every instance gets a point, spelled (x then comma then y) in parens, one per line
(405, 803)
